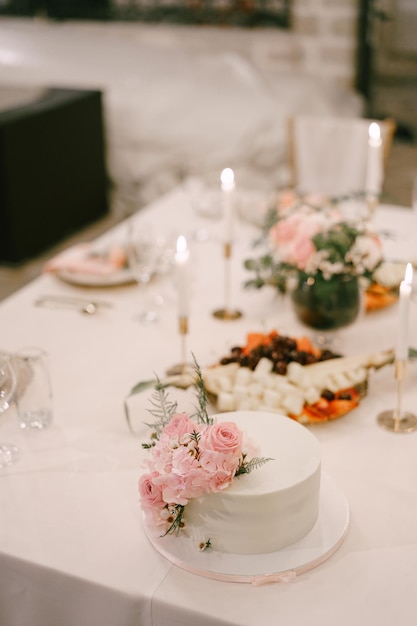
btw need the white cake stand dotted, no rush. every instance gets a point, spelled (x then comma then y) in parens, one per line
(315, 548)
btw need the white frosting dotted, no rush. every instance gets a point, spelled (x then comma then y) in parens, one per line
(272, 507)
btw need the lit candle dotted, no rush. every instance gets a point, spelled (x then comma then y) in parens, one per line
(181, 262)
(401, 352)
(374, 169)
(227, 179)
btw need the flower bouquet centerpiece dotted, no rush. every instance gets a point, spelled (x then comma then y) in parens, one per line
(189, 456)
(319, 257)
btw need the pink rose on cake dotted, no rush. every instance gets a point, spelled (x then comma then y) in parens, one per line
(224, 437)
(179, 425)
(152, 501)
(150, 493)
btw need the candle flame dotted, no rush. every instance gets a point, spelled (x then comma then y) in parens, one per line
(374, 131)
(181, 244)
(227, 177)
(408, 277)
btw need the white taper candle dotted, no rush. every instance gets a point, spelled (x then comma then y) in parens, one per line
(401, 352)
(181, 261)
(374, 168)
(227, 179)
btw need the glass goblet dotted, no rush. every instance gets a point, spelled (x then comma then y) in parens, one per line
(143, 256)
(206, 202)
(8, 453)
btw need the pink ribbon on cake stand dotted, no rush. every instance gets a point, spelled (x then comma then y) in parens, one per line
(285, 577)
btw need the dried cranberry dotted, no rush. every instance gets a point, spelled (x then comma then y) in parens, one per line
(345, 395)
(280, 367)
(328, 354)
(327, 394)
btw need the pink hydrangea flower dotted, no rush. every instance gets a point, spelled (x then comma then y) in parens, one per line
(220, 480)
(184, 460)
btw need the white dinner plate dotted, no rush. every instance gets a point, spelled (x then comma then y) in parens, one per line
(123, 276)
(316, 547)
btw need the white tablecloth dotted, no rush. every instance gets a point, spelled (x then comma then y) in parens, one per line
(72, 547)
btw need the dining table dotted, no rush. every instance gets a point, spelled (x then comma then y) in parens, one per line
(73, 549)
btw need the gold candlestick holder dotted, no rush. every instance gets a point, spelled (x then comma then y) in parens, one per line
(372, 204)
(183, 366)
(227, 313)
(396, 420)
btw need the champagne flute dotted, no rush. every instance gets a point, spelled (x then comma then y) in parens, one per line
(8, 453)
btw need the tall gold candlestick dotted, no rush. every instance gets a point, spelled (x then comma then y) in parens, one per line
(183, 366)
(372, 204)
(396, 420)
(227, 313)
(183, 328)
(374, 168)
(227, 179)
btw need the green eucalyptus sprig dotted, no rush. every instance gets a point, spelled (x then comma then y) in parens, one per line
(246, 467)
(201, 414)
(162, 409)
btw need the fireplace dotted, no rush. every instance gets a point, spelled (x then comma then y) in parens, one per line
(244, 13)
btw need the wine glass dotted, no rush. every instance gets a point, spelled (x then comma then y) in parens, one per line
(145, 253)
(8, 453)
(206, 202)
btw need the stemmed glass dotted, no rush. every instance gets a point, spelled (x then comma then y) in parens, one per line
(8, 453)
(148, 256)
(205, 200)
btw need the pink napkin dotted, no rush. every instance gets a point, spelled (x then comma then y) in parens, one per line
(84, 259)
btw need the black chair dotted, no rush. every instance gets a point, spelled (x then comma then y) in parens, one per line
(53, 178)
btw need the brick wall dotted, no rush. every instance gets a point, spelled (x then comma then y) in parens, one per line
(326, 31)
(320, 42)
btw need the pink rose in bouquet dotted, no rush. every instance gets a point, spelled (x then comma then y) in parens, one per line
(292, 237)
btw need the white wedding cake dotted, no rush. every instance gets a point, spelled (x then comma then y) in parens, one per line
(270, 508)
